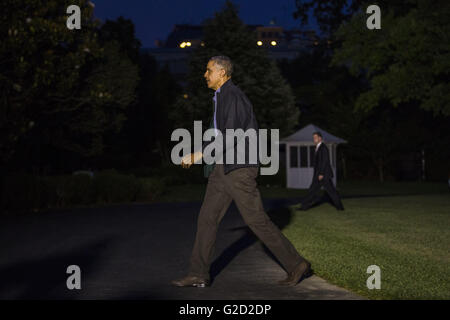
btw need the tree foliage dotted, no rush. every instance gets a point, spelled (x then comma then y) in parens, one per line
(60, 88)
(254, 72)
(407, 61)
(329, 14)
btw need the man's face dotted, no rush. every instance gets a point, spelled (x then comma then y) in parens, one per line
(214, 75)
(316, 139)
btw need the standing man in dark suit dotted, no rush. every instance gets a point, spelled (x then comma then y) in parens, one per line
(234, 181)
(323, 173)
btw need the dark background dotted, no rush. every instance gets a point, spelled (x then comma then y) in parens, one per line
(102, 98)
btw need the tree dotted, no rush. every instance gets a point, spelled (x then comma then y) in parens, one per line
(61, 88)
(354, 107)
(122, 30)
(254, 72)
(407, 61)
(147, 129)
(329, 14)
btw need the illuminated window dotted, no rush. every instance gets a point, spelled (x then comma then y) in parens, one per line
(183, 44)
(259, 43)
(188, 44)
(274, 43)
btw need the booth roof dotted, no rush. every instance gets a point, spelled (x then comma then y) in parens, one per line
(305, 135)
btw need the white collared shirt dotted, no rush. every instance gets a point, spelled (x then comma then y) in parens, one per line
(318, 145)
(215, 109)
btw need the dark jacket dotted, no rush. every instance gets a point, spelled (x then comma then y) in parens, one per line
(322, 164)
(234, 111)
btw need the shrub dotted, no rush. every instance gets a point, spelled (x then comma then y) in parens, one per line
(150, 189)
(67, 190)
(110, 186)
(22, 192)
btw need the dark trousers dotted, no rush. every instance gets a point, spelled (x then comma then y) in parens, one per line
(238, 185)
(313, 194)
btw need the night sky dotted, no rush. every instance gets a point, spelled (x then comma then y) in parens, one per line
(154, 19)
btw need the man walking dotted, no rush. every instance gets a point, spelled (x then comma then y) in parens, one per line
(234, 181)
(323, 173)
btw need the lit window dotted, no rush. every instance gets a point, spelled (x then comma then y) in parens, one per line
(183, 44)
(188, 44)
(259, 43)
(274, 43)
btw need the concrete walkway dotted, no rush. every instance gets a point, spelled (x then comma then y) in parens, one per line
(133, 251)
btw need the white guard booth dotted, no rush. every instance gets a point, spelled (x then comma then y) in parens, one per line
(300, 155)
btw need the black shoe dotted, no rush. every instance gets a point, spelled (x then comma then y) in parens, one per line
(302, 271)
(191, 281)
(304, 207)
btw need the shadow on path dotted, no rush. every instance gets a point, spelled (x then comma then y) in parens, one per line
(133, 251)
(280, 216)
(44, 277)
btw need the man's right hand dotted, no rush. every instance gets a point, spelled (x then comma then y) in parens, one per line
(191, 158)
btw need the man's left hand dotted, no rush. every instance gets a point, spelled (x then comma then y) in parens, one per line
(320, 177)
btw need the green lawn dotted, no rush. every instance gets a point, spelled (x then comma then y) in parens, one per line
(195, 192)
(406, 236)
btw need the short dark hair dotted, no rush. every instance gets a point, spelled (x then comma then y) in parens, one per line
(225, 63)
(318, 133)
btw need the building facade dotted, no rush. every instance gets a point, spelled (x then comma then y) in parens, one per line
(280, 43)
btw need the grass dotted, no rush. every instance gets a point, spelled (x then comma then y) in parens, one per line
(406, 236)
(195, 192)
